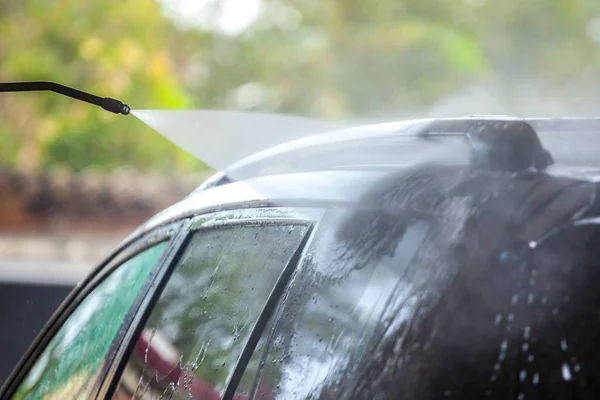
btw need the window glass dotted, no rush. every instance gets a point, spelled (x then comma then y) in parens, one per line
(74, 357)
(338, 304)
(439, 292)
(195, 334)
(248, 381)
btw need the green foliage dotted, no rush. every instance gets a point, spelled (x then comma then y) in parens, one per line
(118, 50)
(9, 144)
(329, 59)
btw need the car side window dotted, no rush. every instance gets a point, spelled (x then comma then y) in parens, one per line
(73, 358)
(195, 334)
(336, 306)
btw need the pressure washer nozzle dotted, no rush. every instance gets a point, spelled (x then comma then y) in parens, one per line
(112, 105)
(115, 106)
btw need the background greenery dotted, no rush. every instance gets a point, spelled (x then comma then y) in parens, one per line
(331, 59)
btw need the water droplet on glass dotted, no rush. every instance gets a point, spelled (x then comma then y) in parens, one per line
(515, 299)
(563, 345)
(577, 367)
(566, 372)
(530, 358)
(498, 319)
(532, 281)
(530, 298)
(536, 378)
(526, 332)
(532, 244)
(525, 346)
(521, 396)
(502, 354)
(522, 375)
(511, 316)
(544, 300)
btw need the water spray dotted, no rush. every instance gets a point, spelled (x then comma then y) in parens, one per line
(107, 103)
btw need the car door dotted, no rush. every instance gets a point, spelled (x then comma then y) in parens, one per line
(203, 327)
(76, 348)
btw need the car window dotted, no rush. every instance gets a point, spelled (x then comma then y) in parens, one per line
(74, 356)
(263, 389)
(201, 322)
(334, 309)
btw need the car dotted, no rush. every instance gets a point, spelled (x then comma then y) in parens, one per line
(426, 259)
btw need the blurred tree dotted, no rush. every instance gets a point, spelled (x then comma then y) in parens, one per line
(344, 58)
(357, 57)
(333, 59)
(119, 50)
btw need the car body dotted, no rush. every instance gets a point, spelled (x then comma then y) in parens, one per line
(316, 269)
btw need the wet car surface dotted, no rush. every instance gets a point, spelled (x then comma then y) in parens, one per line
(426, 260)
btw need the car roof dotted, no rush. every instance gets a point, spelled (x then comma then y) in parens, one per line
(336, 168)
(318, 189)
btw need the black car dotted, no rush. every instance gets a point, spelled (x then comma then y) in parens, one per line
(430, 259)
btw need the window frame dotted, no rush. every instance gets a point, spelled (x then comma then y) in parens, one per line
(261, 216)
(124, 252)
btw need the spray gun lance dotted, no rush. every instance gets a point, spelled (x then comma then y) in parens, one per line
(107, 103)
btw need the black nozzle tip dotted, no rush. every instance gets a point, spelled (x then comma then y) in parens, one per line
(115, 106)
